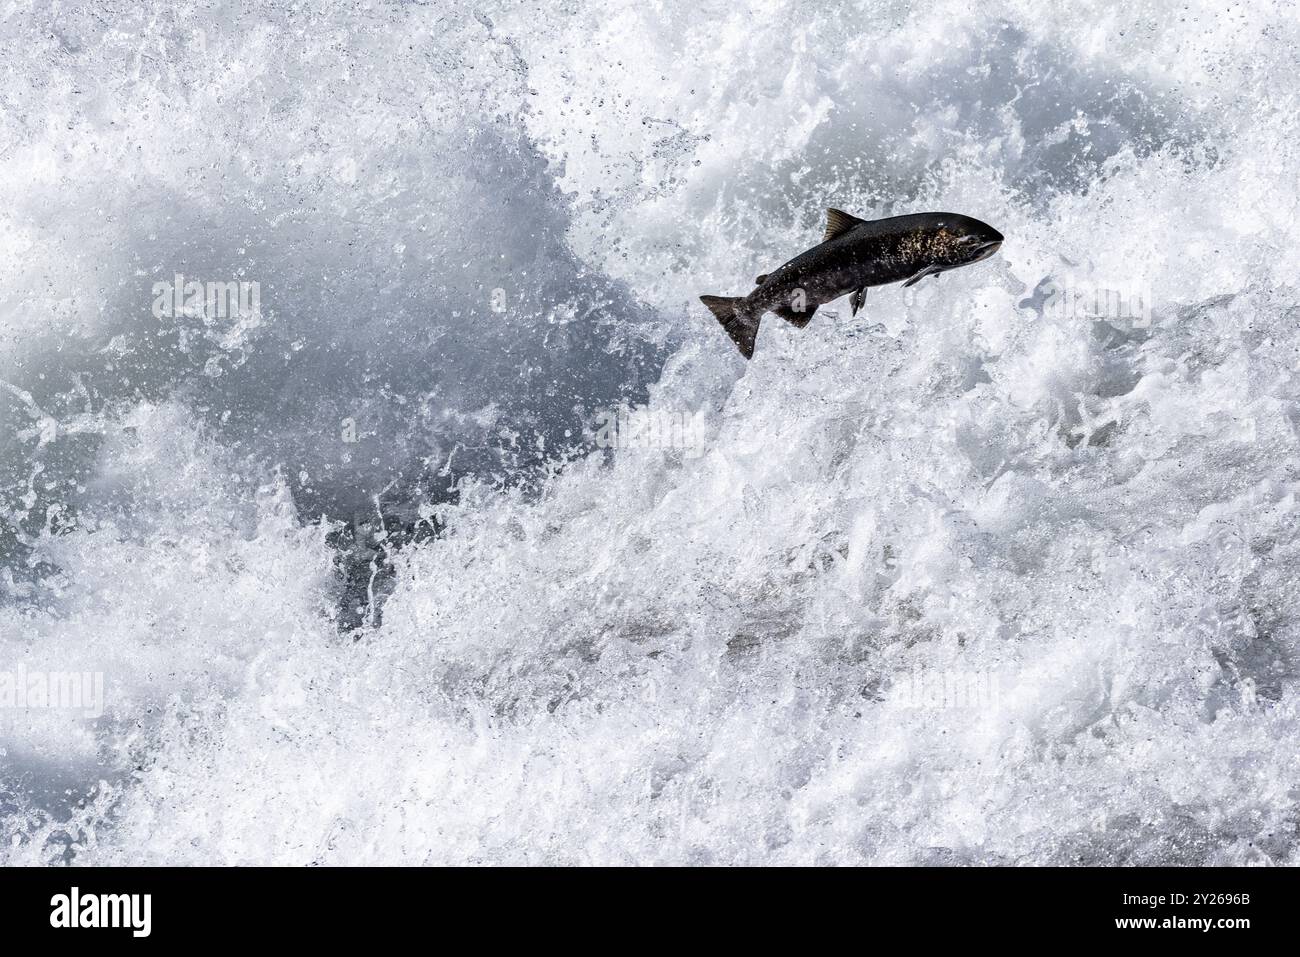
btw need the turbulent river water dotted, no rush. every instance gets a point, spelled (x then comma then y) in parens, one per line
(1004, 569)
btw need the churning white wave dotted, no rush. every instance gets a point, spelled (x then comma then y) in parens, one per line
(967, 578)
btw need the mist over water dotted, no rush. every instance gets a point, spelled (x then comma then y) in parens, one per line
(967, 578)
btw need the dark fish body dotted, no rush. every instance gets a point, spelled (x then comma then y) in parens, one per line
(855, 255)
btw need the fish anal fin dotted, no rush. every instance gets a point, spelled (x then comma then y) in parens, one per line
(838, 223)
(796, 318)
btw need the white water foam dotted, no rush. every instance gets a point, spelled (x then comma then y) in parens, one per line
(964, 579)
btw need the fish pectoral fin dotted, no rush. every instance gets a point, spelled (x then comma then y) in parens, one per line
(927, 271)
(838, 223)
(857, 299)
(797, 318)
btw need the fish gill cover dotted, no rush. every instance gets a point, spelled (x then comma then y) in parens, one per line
(1003, 569)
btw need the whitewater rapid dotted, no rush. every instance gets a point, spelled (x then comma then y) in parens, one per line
(966, 578)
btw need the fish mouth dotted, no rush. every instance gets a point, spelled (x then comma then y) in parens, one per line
(985, 250)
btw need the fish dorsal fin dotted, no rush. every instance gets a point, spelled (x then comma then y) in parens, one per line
(838, 223)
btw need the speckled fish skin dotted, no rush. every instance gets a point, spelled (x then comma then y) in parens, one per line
(856, 255)
(875, 253)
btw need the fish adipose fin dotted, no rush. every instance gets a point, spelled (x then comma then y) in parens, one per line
(742, 329)
(760, 280)
(796, 318)
(857, 299)
(838, 223)
(927, 271)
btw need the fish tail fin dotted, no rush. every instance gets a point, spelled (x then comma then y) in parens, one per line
(742, 328)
